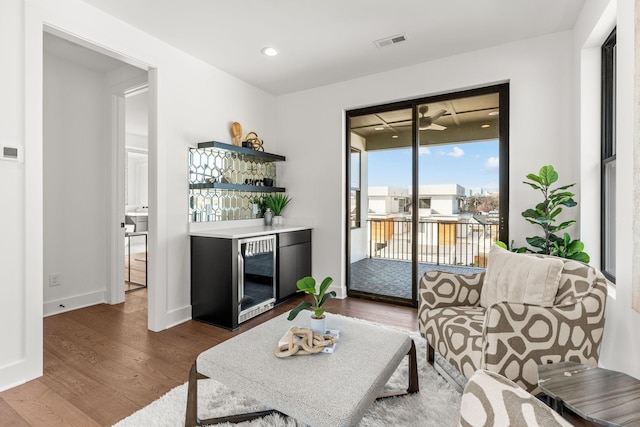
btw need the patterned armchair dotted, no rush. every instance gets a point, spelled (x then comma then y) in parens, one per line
(511, 339)
(500, 402)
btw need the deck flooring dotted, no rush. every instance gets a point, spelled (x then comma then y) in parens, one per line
(393, 277)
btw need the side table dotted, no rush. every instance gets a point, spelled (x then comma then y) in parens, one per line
(599, 395)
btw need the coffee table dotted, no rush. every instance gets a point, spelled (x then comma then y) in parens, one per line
(323, 389)
(599, 395)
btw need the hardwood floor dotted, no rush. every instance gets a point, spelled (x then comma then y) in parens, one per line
(135, 271)
(101, 363)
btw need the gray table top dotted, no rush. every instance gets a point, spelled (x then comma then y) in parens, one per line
(606, 397)
(320, 390)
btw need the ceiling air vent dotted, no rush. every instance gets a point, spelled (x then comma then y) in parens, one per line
(388, 41)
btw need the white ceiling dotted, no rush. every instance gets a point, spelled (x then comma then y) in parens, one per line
(323, 42)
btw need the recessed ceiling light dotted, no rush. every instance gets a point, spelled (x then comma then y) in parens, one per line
(485, 126)
(494, 113)
(379, 128)
(269, 51)
(394, 136)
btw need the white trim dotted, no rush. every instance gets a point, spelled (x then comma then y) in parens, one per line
(116, 171)
(13, 374)
(157, 307)
(157, 225)
(75, 302)
(178, 316)
(33, 262)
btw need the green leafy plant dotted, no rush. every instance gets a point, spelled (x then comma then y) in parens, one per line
(545, 215)
(276, 202)
(320, 296)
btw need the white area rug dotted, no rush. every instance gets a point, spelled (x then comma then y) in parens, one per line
(437, 404)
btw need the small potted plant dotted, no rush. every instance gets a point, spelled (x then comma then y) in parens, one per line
(277, 202)
(320, 296)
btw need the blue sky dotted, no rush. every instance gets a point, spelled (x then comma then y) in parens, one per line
(472, 165)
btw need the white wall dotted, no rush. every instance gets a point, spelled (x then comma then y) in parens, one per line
(195, 102)
(540, 74)
(137, 181)
(621, 342)
(19, 331)
(75, 185)
(444, 205)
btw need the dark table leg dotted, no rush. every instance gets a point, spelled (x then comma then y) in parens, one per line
(191, 416)
(413, 386)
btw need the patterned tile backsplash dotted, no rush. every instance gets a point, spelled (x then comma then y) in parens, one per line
(209, 167)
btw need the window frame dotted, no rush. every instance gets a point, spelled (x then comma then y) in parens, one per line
(608, 154)
(357, 223)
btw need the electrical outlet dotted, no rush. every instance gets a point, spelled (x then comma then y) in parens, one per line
(55, 279)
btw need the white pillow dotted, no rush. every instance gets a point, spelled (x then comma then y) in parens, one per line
(520, 278)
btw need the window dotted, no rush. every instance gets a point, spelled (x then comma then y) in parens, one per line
(608, 163)
(424, 203)
(355, 188)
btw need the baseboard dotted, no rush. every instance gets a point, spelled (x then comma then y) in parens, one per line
(73, 303)
(341, 291)
(178, 316)
(13, 375)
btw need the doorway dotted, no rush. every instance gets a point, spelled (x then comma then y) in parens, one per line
(428, 189)
(136, 188)
(83, 173)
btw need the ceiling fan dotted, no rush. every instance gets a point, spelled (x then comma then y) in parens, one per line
(427, 122)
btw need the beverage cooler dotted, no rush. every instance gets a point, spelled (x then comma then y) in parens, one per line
(232, 280)
(256, 276)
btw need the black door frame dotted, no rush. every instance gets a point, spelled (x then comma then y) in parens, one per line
(503, 141)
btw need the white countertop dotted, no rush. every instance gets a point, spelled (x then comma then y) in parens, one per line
(249, 231)
(136, 214)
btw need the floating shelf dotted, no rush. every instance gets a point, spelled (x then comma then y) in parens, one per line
(238, 187)
(242, 150)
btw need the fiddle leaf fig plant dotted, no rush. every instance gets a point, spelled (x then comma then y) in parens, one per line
(545, 214)
(320, 296)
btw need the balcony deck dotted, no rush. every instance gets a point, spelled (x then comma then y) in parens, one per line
(393, 277)
(457, 247)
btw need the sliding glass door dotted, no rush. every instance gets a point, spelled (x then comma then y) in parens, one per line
(428, 189)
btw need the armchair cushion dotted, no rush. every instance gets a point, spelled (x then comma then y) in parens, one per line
(520, 278)
(490, 399)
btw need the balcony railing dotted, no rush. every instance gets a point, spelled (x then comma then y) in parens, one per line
(439, 242)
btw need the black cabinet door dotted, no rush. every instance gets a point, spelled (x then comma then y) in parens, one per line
(294, 261)
(287, 261)
(303, 260)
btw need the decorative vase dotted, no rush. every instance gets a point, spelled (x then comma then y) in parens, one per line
(318, 326)
(277, 220)
(268, 217)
